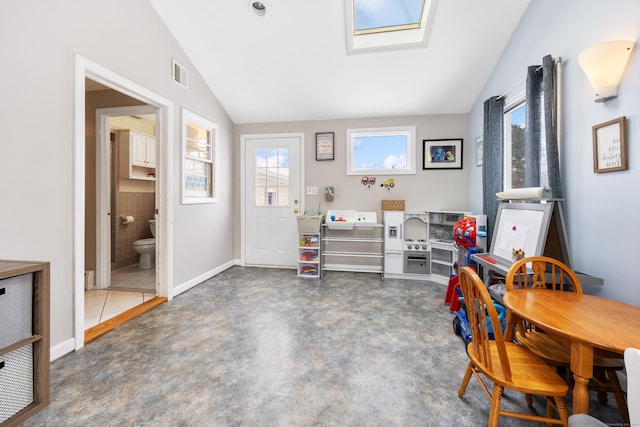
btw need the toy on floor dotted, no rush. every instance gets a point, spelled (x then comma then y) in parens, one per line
(461, 325)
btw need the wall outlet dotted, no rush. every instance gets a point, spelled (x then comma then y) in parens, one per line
(312, 191)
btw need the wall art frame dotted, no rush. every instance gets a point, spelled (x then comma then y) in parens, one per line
(610, 146)
(442, 153)
(479, 150)
(325, 146)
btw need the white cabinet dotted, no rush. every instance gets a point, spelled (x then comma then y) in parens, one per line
(137, 155)
(443, 258)
(393, 244)
(393, 264)
(309, 255)
(443, 254)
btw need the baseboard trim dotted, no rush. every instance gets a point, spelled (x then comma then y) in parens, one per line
(197, 280)
(65, 347)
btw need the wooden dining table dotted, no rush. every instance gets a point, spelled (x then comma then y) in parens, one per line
(584, 321)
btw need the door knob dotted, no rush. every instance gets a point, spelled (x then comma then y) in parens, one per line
(295, 202)
(295, 210)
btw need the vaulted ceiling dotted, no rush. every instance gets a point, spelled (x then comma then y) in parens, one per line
(291, 64)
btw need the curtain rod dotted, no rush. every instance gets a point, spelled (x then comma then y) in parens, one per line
(556, 60)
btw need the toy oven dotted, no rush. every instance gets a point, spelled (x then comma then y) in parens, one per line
(416, 262)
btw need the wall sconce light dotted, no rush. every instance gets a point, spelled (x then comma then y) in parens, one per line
(604, 64)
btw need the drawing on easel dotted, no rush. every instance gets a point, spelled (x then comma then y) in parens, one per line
(520, 226)
(514, 237)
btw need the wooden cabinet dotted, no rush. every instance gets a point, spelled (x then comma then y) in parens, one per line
(137, 155)
(24, 340)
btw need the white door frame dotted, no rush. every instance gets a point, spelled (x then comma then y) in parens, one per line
(85, 68)
(243, 196)
(103, 184)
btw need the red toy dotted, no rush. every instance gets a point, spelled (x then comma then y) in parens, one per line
(464, 232)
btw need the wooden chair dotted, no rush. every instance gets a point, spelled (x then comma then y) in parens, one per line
(506, 364)
(550, 273)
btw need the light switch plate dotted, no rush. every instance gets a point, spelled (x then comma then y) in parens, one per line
(312, 191)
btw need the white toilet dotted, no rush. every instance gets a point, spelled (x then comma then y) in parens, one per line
(147, 249)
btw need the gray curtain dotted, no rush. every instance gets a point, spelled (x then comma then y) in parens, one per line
(492, 159)
(542, 166)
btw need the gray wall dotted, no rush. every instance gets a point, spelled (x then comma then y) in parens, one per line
(600, 209)
(38, 41)
(427, 190)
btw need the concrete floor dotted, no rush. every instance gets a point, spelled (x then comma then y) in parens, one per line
(262, 347)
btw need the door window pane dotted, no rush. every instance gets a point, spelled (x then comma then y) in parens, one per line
(272, 177)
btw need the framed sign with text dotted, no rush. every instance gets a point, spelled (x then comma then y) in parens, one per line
(324, 146)
(609, 146)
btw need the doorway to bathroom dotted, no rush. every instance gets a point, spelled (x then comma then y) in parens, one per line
(117, 91)
(125, 207)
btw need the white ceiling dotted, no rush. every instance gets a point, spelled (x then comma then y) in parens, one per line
(291, 64)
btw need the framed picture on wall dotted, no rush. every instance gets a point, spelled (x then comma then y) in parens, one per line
(324, 146)
(479, 150)
(442, 154)
(609, 146)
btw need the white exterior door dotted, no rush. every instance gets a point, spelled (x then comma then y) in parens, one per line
(272, 198)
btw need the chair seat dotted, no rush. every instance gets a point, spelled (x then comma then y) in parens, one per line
(531, 374)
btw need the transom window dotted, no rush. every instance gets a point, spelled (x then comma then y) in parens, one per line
(389, 151)
(374, 25)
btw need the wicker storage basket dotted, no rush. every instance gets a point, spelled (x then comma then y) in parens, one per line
(309, 223)
(393, 205)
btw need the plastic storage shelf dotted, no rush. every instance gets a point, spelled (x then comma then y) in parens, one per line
(309, 255)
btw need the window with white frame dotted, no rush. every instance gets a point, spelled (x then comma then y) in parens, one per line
(199, 163)
(388, 151)
(514, 154)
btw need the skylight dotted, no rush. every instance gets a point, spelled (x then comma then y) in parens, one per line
(375, 25)
(386, 15)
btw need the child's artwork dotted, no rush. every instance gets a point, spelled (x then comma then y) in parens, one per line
(514, 236)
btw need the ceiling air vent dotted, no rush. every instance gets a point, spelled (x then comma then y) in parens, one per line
(180, 75)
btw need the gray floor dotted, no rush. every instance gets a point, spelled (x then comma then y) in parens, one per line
(261, 347)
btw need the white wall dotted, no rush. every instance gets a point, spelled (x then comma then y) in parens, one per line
(427, 190)
(39, 41)
(601, 210)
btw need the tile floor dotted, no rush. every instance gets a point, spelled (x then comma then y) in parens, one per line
(129, 287)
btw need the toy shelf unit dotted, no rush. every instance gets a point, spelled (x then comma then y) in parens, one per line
(352, 241)
(443, 252)
(309, 255)
(24, 340)
(309, 242)
(443, 259)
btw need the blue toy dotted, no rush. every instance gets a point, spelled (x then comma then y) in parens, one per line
(461, 325)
